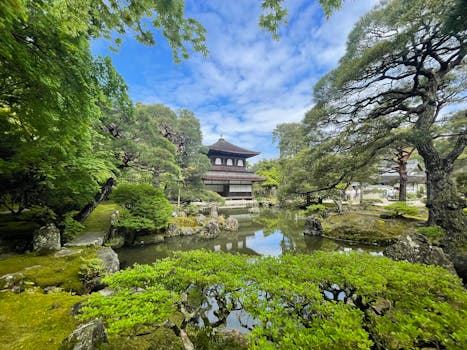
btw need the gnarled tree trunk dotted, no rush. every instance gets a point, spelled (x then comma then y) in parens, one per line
(103, 194)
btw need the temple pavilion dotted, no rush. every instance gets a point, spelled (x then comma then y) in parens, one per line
(228, 175)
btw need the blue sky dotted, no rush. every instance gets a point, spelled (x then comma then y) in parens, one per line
(249, 83)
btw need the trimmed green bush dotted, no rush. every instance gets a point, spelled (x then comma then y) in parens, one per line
(319, 301)
(316, 209)
(433, 233)
(146, 207)
(399, 209)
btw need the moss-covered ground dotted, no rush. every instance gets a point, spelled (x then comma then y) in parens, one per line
(33, 320)
(99, 219)
(47, 270)
(367, 227)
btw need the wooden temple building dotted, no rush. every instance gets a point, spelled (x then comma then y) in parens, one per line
(229, 176)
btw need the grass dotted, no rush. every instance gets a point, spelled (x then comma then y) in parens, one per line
(99, 219)
(366, 227)
(47, 270)
(33, 320)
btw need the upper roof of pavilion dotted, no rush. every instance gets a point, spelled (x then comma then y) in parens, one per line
(222, 146)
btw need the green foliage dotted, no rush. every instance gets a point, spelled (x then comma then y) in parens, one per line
(324, 300)
(434, 233)
(316, 209)
(71, 228)
(147, 208)
(39, 214)
(401, 209)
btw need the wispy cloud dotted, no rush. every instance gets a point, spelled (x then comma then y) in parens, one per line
(249, 83)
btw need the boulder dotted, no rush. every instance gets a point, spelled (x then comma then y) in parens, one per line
(46, 240)
(109, 259)
(231, 224)
(201, 219)
(13, 282)
(88, 336)
(211, 229)
(416, 248)
(214, 213)
(149, 239)
(67, 252)
(312, 227)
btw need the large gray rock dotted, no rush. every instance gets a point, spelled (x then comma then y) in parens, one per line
(211, 229)
(231, 224)
(13, 282)
(416, 248)
(109, 259)
(312, 227)
(214, 213)
(46, 240)
(88, 336)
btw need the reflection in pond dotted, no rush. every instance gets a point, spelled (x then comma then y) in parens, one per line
(272, 232)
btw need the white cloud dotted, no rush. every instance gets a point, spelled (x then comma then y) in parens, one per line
(250, 83)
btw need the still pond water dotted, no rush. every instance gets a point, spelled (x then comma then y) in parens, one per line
(271, 232)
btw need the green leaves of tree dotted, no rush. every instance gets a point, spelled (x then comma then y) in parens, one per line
(376, 302)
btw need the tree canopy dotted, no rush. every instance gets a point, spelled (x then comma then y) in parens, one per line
(324, 300)
(405, 63)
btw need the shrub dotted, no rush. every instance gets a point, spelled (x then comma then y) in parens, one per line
(39, 214)
(147, 208)
(71, 228)
(400, 209)
(319, 301)
(316, 209)
(433, 233)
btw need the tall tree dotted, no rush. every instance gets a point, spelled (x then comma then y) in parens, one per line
(290, 138)
(405, 62)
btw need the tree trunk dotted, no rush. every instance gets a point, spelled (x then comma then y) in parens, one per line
(403, 181)
(445, 210)
(103, 194)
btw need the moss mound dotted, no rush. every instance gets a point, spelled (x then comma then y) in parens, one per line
(33, 320)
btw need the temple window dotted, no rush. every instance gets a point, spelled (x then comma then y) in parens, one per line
(240, 162)
(218, 161)
(229, 162)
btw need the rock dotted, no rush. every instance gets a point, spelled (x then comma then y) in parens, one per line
(52, 290)
(233, 336)
(67, 252)
(114, 217)
(13, 282)
(211, 229)
(149, 239)
(186, 231)
(46, 239)
(181, 214)
(88, 239)
(416, 248)
(214, 213)
(88, 336)
(231, 224)
(312, 227)
(172, 230)
(109, 259)
(254, 210)
(201, 219)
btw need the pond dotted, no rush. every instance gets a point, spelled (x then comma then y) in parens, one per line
(272, 232)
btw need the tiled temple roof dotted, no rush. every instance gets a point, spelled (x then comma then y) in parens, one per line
(226, 147)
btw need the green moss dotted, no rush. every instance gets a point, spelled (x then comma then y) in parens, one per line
(33, 320)
(189, 221)
(366, 228)
(99, 220)
(49, 271)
